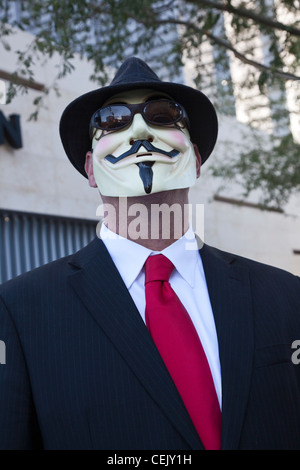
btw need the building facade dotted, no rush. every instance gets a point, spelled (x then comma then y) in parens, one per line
(48, 210)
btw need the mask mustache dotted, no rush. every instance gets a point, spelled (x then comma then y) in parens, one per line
(135, 148)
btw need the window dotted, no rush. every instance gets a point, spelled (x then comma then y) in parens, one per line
(31, 240)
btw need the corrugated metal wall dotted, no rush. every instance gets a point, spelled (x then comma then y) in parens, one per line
(31, 240)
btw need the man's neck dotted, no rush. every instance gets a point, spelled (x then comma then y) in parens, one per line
(154, 221)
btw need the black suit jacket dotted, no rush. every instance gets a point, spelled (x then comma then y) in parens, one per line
(82, 371)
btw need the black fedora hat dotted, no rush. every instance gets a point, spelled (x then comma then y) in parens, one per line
(136, 74)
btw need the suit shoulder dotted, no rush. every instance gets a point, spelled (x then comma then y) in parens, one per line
(257, 269)
(46, 273)
(263, 269)
(50, 275)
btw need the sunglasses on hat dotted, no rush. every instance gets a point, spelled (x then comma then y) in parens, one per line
(157, 112)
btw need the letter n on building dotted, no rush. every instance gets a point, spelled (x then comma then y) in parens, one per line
(2, 352)
(11, 130)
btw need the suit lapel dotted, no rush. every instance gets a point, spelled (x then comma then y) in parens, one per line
(229, 290)
(97, 282)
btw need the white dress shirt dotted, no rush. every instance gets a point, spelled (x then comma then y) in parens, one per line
(187, 280)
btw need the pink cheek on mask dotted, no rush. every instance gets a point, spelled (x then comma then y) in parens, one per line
(104, 146)
(177, 138)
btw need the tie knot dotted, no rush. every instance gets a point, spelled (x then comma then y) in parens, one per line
(158, 268)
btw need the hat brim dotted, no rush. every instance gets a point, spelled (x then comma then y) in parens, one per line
(75, 120)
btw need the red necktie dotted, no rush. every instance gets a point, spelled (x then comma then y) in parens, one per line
(181, 350)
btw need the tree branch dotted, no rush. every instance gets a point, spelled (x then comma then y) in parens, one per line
(245, 13)
(226, 45)
(246, 60)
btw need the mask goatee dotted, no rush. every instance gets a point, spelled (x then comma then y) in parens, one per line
(146, 175)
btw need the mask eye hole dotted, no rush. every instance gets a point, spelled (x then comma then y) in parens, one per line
(162, 112)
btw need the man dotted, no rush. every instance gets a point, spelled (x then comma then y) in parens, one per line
(91, 360)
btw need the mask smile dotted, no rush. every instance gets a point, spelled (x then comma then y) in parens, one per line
(135, 148)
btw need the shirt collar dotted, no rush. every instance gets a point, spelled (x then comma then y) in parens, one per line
(129, 257)
(184, 255)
